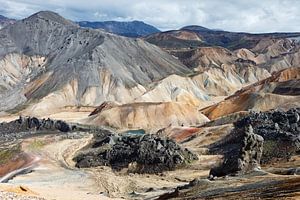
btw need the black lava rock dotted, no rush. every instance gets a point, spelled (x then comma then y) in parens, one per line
(138, 153)
(30, 125)
(259, 138)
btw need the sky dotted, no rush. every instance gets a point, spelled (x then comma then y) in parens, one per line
(253, 16)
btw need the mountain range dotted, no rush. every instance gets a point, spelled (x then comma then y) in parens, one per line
(128, 29)
(50, 64)
(198, 36)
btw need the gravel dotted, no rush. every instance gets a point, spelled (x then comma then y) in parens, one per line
(13, 196)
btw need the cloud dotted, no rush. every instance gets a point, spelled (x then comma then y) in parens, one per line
(231, 15)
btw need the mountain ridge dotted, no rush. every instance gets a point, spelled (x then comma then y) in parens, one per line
(4, 21)
(126, 28)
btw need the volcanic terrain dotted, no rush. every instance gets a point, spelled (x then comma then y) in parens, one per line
(193, 113)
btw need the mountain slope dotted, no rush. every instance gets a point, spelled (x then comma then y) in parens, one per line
(80, 66)
(272, 51)
(128, 29)
(147, 116)
(4, 21)
(229, 40)
(281, 90)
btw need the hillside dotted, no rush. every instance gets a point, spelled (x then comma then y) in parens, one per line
(128, 29)
(278, 91)
(211, 37)
(4, 21)
(61, 64)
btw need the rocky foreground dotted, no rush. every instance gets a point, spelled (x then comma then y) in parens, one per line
(261, 160)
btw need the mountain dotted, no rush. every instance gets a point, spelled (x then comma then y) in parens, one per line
(211, 37)
(147, 116)
(201, 49)
(128, 29)
(281, 90)
(195, 28)
(4, 21)
(49, 62)
(176, 39)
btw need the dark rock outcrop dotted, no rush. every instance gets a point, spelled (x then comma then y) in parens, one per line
(259, 138)
(244, 158)
(138, 153)
(280, 130)
(33, 123)
(29, 125)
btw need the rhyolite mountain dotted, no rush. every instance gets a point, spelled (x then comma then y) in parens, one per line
(203, 49)
(212, 37)
(4, 21)
(49, 64)
(53, 62)
(128, 29)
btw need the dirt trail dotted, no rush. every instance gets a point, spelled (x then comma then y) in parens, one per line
(55, 176)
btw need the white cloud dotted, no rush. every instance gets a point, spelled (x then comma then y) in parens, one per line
(232, 15)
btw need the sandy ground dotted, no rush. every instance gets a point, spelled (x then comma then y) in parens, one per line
(55, 176)
(69, 116)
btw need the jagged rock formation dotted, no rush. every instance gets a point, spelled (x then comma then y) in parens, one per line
(30, 125)
(243, 158)
(138, 153)
(274, 137)
(280, 131)
(128, 29)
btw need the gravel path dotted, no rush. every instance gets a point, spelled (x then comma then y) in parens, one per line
(13, 196)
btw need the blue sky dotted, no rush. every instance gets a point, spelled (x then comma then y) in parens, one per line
(231, 15)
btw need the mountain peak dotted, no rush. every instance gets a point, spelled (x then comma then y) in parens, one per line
(3, 17)
(195, 28)
(51, 16)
